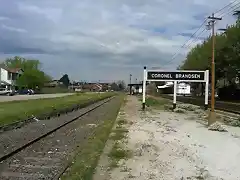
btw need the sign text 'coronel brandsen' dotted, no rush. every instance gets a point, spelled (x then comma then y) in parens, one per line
(176, 75)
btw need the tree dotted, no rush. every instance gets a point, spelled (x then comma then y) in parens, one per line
(65, 80)
(31, 79)
(47, 78)
(227, 55)
(114, 86)
(121, 85)
(25, 64)
(32, 75)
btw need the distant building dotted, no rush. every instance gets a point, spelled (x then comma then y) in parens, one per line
(8, 77)
(182, 88)
(53, 83)
(96, 87)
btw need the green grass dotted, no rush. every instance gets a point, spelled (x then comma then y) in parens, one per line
(20, 110)
(118, 153)
(118, 134)
(54, 90)
(87, 158)
(156, 102)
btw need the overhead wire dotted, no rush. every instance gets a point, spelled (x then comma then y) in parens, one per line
(230, 10)
(188, 46)
(229, 6)
(196, 38)
(184, 44)
(193, 37)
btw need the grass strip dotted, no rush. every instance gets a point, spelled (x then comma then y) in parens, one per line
(158, 102)
(119, 151)
(88, 156)
(14, 111)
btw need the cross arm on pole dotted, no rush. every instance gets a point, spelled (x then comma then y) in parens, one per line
(214, 18)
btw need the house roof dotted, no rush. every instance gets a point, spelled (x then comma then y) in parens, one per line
(12, 70)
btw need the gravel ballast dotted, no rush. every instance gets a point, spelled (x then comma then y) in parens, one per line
(47, 158)
(11, 140)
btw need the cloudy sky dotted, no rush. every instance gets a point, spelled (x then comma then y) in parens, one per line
(103, 39)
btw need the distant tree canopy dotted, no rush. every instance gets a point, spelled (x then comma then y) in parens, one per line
(121, 85)
(118, 86)
(227, 55)
(32, 76)
(65, 80)
(114, 86)
(25, 64)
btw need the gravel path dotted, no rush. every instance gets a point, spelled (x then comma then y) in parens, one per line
(171, 146)
(27, 97)
(47, 158)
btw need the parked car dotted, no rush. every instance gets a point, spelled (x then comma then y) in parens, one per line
(4, 91)
(26, 91)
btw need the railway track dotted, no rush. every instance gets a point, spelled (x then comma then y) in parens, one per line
(48, 156)
(219, 105)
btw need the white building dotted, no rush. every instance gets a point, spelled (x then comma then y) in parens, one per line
(8, 77)
(182, 88)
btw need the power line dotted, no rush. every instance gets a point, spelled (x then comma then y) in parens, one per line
(192, 36)
(197, 38)
(194, 33)
(229, 4)
(230, 9)
(194, 40)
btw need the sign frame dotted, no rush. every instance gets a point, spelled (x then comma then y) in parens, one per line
(145, 80)
(177, 71)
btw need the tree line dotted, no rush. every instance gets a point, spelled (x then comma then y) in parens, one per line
(227, 56)
(34, 77)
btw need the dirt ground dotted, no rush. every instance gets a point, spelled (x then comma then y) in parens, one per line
(171, 146)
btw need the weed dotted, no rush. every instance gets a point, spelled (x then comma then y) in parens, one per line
(156, 102)
(87, 156)
(117, 153)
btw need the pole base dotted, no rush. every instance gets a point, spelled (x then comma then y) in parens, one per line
(143, 106)
(174, 106)
(206, 107)
(211, 117)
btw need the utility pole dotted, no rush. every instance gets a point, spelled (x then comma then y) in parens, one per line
(212, 115)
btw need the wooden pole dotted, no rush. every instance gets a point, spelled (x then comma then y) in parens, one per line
(212, 117)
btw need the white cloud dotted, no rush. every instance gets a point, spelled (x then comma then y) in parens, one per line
(10, 28)
(101, 35)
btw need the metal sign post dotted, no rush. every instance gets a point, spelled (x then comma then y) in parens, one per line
(206, 89)
(144, 87)
(175, 95)
(175, 76)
